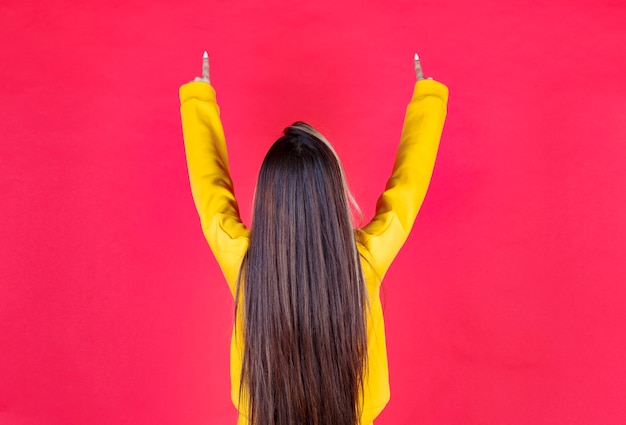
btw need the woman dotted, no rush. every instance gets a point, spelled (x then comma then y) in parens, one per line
(308, 343)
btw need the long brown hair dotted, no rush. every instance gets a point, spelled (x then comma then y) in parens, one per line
(304, 297)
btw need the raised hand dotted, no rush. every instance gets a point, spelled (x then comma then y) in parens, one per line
(205, 69)
(419, 73)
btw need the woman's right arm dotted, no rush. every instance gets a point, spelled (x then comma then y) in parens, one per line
(209, 176)
(397, 207)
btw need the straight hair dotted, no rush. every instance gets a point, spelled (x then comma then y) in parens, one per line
(302, 290)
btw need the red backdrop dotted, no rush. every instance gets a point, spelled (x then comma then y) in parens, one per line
(506, 306)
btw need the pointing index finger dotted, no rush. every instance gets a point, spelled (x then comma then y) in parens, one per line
(205, 65)
(419, 73)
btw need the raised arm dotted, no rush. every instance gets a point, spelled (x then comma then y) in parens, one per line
(209, 174)
(399, 204)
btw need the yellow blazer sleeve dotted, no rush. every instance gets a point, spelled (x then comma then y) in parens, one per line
(209, 176)
(397, 207)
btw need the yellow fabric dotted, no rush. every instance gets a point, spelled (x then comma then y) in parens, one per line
(378, 242)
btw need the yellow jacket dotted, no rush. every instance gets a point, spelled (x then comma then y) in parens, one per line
(378, 242)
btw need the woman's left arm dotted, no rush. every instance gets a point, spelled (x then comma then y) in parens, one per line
(209, 173)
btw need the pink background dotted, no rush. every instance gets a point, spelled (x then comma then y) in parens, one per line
(506, 306)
